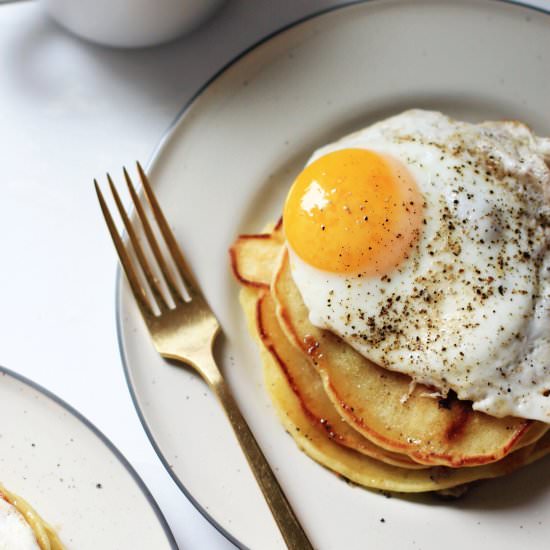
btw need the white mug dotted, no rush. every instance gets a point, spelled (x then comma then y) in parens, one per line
(130, 23)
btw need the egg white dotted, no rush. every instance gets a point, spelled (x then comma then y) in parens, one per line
(469, 310)
(15, 532)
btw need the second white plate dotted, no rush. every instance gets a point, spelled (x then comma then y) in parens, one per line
(73, 476)
(225, 168)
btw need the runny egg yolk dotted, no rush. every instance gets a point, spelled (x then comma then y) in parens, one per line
(353, 211)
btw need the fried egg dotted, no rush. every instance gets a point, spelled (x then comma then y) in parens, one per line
(15, 532)
(423, 243)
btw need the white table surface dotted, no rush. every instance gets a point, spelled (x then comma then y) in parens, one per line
(69, 112)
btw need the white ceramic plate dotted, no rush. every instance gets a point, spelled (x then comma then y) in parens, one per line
(225, 167)
(72, 475)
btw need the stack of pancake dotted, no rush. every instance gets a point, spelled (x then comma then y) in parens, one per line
(364, 422)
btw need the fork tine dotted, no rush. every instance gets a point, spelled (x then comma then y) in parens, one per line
(137, 289)
(184, 271)
(142, 260)
(174, 292)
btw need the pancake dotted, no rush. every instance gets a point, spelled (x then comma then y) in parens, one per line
(255, 257)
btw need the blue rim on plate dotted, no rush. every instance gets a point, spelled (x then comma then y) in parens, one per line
(167, 135)
(106, 441)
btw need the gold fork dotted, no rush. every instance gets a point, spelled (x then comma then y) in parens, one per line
(185, 331)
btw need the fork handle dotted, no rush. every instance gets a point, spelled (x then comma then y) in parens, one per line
(293, 534)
